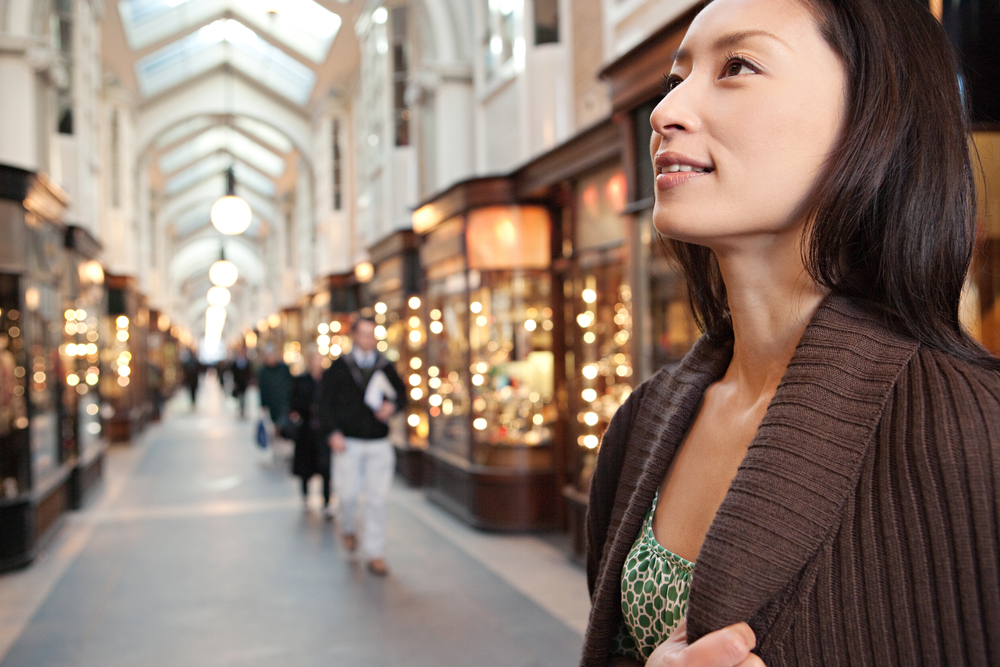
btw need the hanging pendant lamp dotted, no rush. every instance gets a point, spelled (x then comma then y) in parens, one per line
(223, 273)
(231, 214)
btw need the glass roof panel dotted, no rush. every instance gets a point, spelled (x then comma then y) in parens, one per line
(182, 130)
(217, 164)
(265, 133)
(222, 138)
(197, 172)
(301, 25)
(225, 41)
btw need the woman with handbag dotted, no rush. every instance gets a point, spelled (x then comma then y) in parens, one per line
(312, 454)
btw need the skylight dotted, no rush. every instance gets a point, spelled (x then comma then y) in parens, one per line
(225, 41)
(264, 132)
(215, 164)
(222, 138)
(301, 25)
(182, 130)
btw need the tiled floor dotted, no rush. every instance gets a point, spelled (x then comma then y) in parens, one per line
(196, 551)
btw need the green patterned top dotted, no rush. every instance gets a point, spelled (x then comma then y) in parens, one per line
(655, 586)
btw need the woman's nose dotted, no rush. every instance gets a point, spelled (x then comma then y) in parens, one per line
(677, 110)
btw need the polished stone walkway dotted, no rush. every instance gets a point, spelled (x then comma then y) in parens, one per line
(197, 551)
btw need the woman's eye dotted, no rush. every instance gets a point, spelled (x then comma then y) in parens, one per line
(669, 82)
(736, 67)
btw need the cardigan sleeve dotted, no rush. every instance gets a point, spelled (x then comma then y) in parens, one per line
(604, 485)
(946, 506)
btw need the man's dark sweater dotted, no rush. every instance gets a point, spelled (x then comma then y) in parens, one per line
(342, 399)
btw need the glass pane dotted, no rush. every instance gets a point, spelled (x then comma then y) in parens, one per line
(448, 377)
(301, 25)
(512, 369)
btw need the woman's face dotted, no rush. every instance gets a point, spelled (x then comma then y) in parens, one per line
(755, 105)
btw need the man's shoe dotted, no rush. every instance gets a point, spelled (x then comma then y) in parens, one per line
(350, 542)
(378, 567)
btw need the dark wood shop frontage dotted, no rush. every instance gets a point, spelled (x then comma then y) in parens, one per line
(547, 299)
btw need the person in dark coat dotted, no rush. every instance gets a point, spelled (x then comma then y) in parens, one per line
(242, 374)
(191, 369)
(312, 453)
(361, 391)
(275, 383)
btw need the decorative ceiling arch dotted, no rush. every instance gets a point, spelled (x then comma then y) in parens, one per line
(213, 165)
(198, 254)
(171, 118)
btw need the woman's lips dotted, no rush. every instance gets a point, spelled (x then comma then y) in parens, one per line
(665, 181)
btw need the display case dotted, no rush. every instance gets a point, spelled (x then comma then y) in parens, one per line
(125, 405)
(398, 310)
(491, 357)
(36, 446)
(80, 352)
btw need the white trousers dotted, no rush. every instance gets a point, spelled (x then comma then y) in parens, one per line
(365, 466)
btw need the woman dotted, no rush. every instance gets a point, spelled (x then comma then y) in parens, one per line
(817, 481)
(312, 454)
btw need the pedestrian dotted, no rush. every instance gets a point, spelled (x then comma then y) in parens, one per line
(191, 373)
(360, 392)
(312, 452)
(274, 381)
(241, 373)
(817, 480)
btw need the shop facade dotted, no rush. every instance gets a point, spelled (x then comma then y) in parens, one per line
(124, 385)
(80, 354)
(37, 453)
(394, 296)
(492, 356)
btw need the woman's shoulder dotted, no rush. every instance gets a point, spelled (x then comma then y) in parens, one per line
(948, 403)
(944, 375)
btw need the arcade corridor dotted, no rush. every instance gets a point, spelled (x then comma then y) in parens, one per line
(196, 551)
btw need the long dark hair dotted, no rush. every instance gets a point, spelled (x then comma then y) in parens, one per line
(894, 223)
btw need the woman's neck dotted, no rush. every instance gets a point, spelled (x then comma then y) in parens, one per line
(772, 298)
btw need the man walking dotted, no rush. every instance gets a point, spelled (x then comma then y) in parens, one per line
(359, 393)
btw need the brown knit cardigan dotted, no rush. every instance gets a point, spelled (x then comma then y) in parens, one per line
(862, 526)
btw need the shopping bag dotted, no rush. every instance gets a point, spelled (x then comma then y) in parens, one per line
(261, 434)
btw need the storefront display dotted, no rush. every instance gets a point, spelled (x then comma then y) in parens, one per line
(37, 450)
(80, 352)
(123, 373)
(401, 333)
(491, 369)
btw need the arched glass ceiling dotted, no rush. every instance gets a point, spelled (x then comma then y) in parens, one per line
(182, 130)
(214, 164)
(265, 133)
(301, 25)
(223, 138)
(225, 41)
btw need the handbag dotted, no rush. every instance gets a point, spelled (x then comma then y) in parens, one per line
(261, 434)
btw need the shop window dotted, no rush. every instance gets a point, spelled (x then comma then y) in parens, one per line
(500, 42)
(643, 164)
(116, 167)
(447, 357)
(336, 166)
(61, 29)
(499, 237)
(400, 72)
(546, 21)
(511, 366)
(15, 469)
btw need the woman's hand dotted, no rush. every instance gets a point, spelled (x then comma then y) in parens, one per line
(728, 647)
